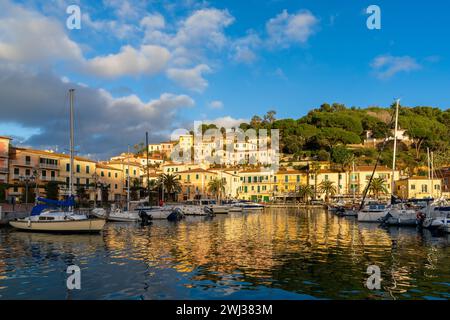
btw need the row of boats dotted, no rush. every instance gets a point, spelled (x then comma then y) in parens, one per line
(59, 216)
(426, 214)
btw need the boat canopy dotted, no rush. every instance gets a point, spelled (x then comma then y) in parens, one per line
(49, 203)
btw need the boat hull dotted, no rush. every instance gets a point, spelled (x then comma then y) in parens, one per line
(71, 226)
(364, 216)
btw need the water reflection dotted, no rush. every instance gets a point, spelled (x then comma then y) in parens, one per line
(279, 254)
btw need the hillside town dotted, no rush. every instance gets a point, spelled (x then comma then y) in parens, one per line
(25, 173)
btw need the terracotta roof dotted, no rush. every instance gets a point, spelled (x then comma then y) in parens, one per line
(290, 172)
(196, 170)
(104, 166)
(53, 154)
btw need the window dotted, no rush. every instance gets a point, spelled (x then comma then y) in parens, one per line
(274, 179)
(52, 174)
(188, 177)
(87, 183)
(78, 168)
(413, 187)
(437, 187)
(27, 159)
(249, 179)
(115, 186)
(115, 175)
(78, 181)
(16, 171)
(67, 181)
(27, 172)
(87, 169)
(102, 174)
(67, 167)
(44, 173)
(109, 174)
(134, 172)
(298, 178)
(196, 176)
(424, 188)
(326, 177)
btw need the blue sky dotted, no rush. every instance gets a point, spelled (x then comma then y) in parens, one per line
(219, 60)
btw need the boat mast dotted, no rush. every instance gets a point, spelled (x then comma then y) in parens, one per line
(128, 180)
(395, 149)
(432, 175)
(352, 175)
(71, 95)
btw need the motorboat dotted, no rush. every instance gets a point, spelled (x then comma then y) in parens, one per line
(373, 212)
(401, 215)
(249, 206)
(435, 217)
(116, 215)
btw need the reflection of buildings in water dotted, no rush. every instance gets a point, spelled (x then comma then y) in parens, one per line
(21, 247)
(261, 246)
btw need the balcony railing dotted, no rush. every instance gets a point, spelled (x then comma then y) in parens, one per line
(22, 163)
(48, 166)
(46, 178)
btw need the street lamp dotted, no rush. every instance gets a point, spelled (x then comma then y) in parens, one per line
(95, 178)
(27, 180)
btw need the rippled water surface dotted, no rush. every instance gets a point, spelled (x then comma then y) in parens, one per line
(278, 254)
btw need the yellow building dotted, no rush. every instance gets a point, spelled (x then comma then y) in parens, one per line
(287, 182)
(418, 188)
(31, 166)
(186, 141)
(112, 178)
(4, 158)
(256, 185)
(194, 183)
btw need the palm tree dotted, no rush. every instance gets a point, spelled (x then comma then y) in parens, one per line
(217, 187)
(377, 186)
(135, 187)
(170, 184)
(314, 168)
(305, 192)
(328, 188)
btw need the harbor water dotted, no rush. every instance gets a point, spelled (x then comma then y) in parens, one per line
(275, 254)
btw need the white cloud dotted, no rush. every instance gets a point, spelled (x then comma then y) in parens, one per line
(386, 66)
(27, 36)
(191, 79)
(226, 122)
(243, 49)
(204, 27)
(148, 59)
(216, 104)
(116, 28)
(286, 29)
(203, 30)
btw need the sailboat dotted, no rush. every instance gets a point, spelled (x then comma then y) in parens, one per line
(118, 214)
(59, 216)
(377, 212)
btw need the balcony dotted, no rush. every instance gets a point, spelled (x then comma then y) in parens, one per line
(4, 170)
(48, 178)
(4, 154)
(22, 163)
(48, 166)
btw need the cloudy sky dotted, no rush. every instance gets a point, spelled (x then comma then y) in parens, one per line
(141, 65)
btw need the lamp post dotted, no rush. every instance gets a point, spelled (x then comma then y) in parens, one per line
(95, 178)
(27, 180)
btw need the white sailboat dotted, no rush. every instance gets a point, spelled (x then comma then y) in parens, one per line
(62, 220)
(377, 212)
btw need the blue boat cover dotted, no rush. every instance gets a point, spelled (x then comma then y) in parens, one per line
(49, 203)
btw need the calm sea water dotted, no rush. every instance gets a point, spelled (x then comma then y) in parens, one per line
(278, 254)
